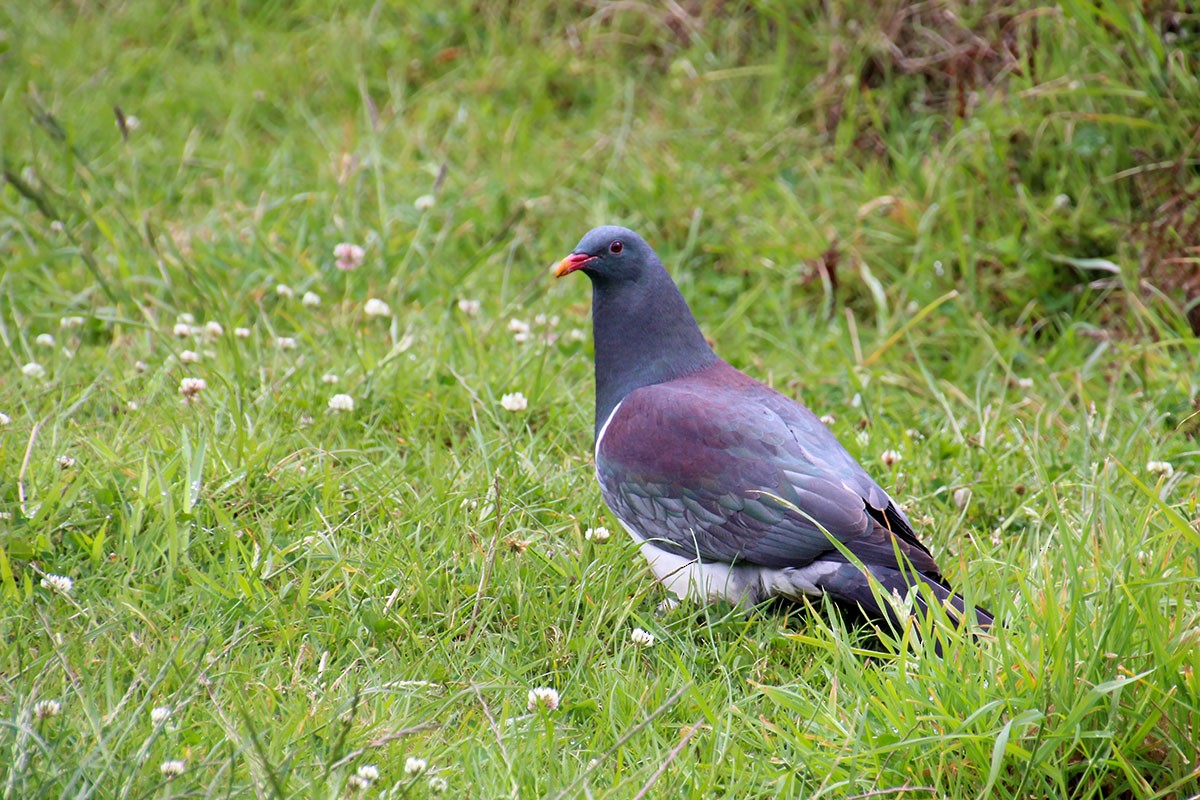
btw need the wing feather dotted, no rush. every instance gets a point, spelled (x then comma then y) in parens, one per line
(726, 468)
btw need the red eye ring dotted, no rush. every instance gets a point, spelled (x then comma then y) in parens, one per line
(615, 248)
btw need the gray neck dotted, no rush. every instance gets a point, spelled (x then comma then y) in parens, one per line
(644, 334)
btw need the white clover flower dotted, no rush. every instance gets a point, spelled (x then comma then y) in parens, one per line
(514, 402)
(65, 462)
(44, 340)
(189, 357)
(311, 299)
(46, 708)
(131, 405)
(368, 772)
(962, 496)
(285, 291)
(415, 766)
(329, 378)
(356, 783)
(172, 769)
(187, 319)
(1024, 383)
(5, 419)
(641, 638)
(597, 535)
(33, 370)
(889, 457)
(160, 714)
(241, 333)
(542, 697)
(341, 402)
(349, 256)
(546, 321)
(58, 583)
(57, 226)
(1061, 201)
(470, 307)
(520, 337)
(214, 329)
(181, 330)
(132, 123)
(828, 419)
(285, 342)
(1160, 468)
(70, 322)
(518, 326)
(190, 388)
(140, 366)
(376, 308)
(438, 784)
(424, 202)
(577, 335)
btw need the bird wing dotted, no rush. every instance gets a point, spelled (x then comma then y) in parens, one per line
(721, 467)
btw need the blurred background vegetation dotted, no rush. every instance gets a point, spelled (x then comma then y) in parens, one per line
(1040, 159)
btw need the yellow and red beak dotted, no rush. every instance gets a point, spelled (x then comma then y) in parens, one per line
(571, 263)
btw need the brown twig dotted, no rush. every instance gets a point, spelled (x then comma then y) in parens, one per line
(671, 756)
(24, 466)
(382, 740)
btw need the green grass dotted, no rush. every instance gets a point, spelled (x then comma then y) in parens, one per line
(310, 592)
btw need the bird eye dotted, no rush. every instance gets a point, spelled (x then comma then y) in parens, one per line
(615, 248)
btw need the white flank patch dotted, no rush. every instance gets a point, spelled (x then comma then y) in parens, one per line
(689, 578)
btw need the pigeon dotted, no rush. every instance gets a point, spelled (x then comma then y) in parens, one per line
(732, 490)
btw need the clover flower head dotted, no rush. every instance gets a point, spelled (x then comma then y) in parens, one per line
(375, 307)
(1164, 468)
(341, 402)
(542, 697)
(58, 583)
(641, 638)
(348, 256)
(514, 402)
(190, 389)
(46, 708)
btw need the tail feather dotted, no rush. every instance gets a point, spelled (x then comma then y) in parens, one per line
(848, 583)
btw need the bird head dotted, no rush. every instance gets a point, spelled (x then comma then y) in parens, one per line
(609, 254)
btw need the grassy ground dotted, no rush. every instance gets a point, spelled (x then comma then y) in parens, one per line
(967, 235)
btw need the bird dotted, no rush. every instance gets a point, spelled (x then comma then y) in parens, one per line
(732, 490)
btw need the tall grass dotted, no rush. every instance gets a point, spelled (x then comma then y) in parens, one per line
(961, 230)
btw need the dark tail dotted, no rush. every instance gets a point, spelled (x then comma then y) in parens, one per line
(848, 584)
